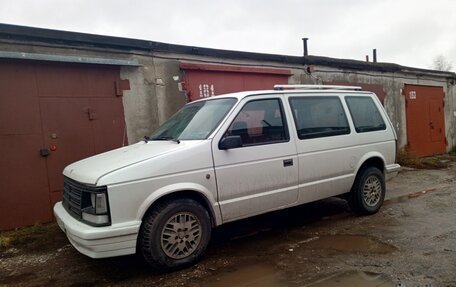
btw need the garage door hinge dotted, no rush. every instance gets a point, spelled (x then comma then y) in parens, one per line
(120, 86)
(90, 113)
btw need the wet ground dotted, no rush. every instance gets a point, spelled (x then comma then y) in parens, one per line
(410, 242)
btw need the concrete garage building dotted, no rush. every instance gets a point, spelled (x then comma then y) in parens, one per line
(65, 96)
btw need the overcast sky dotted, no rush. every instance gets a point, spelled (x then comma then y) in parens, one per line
(406, 32)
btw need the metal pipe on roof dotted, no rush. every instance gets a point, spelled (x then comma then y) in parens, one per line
(306, 52)
(374, 56)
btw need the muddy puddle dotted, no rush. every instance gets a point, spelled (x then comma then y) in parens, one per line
(248, 276)
(409, 196)
(350, 243)
(267, 276)
(355, 279)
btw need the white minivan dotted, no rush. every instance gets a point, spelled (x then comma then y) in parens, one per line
(225, 158)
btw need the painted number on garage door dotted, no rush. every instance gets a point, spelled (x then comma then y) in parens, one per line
(206, 90)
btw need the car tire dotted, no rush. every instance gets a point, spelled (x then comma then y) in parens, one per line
(174, 234)
(368, 191)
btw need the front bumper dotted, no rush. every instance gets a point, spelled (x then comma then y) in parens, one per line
(98, 242)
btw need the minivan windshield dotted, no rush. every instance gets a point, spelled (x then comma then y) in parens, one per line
(194, 121)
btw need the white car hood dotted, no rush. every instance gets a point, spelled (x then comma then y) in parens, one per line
(91, 169)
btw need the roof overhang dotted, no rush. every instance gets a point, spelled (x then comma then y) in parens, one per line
(67, 59)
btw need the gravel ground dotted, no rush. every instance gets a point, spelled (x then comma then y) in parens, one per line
(410, 242)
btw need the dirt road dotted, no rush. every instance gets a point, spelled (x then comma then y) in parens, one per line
(410, 242)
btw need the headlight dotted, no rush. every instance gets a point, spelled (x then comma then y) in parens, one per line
(95, 209)
(86, 203)
(99, 202)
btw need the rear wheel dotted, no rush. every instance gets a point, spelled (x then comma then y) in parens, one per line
(368, 191)
(175, 234)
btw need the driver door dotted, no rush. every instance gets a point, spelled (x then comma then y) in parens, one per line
(262, 174)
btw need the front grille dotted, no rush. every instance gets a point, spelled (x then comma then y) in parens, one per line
(76, 196)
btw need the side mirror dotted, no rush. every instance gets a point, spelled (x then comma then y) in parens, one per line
(230, 142)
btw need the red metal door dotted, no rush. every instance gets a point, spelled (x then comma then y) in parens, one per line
(70, 110)
(425, 120)
(207, 80)
(75, 128)
(67, 135)
(23, 177)
(436, 123)
(82, 115)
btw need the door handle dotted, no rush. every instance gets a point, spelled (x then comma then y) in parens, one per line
(287, 162)
(44, 152)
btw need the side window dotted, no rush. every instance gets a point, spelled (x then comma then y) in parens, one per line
(365, 114)
(260, 122)
(319, 117)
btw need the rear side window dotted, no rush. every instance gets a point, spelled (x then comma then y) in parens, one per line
(365, 114)
(319, 117)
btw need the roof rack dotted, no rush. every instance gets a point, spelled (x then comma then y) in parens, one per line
(316, 87)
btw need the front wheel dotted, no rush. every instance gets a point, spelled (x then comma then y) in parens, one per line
(175, 234)
(368, 191)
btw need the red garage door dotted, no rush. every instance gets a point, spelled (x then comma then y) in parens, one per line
(207, 80)
(51, 114)
(425, 119)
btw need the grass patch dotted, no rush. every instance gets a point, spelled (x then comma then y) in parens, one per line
(406, 158)
(32, 238)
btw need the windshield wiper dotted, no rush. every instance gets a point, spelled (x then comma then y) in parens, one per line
(166, 138)
(146, 139)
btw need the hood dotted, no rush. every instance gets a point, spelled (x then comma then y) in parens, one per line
(91, 169)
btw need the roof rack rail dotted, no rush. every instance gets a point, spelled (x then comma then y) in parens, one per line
(316, 87)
